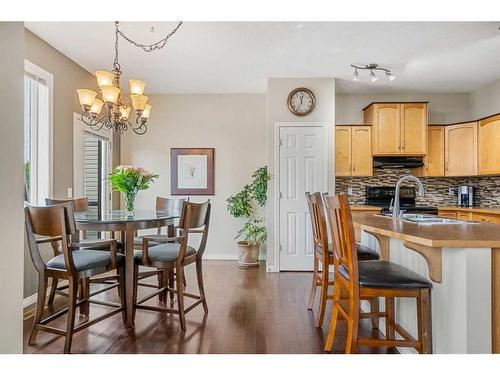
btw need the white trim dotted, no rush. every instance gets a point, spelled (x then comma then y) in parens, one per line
(49, 79)
(214, 256)
(328, 183)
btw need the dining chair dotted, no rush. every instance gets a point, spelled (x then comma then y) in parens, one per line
(325, 258)
(172, 206)
(354, 281)
(174, 253)
(77, 261)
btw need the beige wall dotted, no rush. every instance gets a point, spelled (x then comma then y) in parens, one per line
(485, 101)
(443, 108)
(11, 188)
(233, 124)
(278, 90)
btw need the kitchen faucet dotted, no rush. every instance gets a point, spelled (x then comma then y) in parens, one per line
(396, 214)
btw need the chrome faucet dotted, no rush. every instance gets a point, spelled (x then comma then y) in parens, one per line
(396, 214)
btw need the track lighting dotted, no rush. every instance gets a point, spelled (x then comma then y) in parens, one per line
(372, 68)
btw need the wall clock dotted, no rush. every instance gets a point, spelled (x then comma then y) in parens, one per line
(301, 101)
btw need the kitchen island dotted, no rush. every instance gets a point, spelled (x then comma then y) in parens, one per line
(462, 261)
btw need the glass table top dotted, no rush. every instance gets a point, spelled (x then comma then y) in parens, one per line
(121, 216)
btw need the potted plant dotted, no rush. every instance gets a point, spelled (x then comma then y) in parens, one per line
(129, 180)
(244, 205)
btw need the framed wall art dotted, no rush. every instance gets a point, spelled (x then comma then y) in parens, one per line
(192, 171)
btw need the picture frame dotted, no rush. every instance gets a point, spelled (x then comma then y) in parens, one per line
(192, 171)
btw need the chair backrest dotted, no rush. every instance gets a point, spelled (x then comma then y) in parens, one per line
(50, 224)
(318, 222)
(342, 230)
(170, 205)
(79, 204)
(195, 216)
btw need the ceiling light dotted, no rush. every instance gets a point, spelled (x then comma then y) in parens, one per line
(373, 77)
(117, 109)
(355, 77)
(390, 76)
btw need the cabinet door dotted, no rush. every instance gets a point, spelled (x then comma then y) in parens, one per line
(342, 150)
(486, 218)
(488, 144)
(450, 214)
(386, 130)
(461, 149)
(413, 128)
(361, 151)
(434, 163)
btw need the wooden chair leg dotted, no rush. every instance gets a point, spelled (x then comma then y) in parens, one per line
(135, 286)
(199, 276)
(180, 296)
(389, 320)
(352, 326)
(312, 294)
(85, 295)
(424, 319)
(171, 279)
(53, 288)
(40, 306)
(164, 284)
(374, 308)
(333, 318)
(160, 284)
(121, 293)
(323, 296)
(70, 325)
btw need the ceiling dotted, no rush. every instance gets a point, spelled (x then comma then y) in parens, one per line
(238, 57)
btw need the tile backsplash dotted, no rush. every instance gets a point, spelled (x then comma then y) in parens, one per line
(486, 188)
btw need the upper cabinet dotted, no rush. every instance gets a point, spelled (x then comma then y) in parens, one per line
(353, 151)
(461, 149)
(397, 128)
(489, 141)
(434, 161)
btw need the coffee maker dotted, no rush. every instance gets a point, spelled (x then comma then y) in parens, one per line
(465, 196)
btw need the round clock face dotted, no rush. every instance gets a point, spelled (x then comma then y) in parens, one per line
(301, 101)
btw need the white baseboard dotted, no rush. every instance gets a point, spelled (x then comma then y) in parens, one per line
(214, 256)
(30, 300)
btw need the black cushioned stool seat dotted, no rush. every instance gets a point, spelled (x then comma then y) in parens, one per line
(86, 259)
(165, 252)
(364, 252)
(387, 275)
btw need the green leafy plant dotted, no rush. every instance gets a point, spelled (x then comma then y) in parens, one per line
(240, 204)
(254, 231)
(259, 185)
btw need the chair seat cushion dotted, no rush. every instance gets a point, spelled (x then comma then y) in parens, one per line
(364, 252)
(387, 275)
(138, 242)
(165, 252)
(86, 260)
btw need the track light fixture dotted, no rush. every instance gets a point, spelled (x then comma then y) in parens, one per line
(372, 68)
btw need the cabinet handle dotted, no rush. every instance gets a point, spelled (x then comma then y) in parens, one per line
(403, 144)
(446, 166)
(353, 167)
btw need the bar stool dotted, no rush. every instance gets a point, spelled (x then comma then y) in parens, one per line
(320, 242)
(355, 281)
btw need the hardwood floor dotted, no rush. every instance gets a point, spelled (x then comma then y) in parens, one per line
(250, 311)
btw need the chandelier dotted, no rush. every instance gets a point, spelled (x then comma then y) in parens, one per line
(116, 106)
(372, 68)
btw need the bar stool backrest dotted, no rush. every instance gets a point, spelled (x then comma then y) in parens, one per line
(170, 205)
(318, 222)
(195, 218)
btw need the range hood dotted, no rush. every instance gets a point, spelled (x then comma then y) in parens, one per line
(394, 162)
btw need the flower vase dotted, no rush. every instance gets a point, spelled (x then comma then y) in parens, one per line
(129, 202)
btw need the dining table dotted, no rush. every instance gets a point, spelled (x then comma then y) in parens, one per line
(126, 224)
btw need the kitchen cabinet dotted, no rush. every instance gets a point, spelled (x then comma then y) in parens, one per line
(397, 128)
(434, 161)
(489, 140)
(353, 151)
(461, 149)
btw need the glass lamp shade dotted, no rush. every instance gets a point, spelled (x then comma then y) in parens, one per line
(104, 78)
(136, 87)
(110, 93)
(86, 97)
(125, 111)
(97, 106)
(147, 111)
(139, 102)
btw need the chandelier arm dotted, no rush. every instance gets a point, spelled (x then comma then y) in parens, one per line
(95, 123)
(146, 47)
(372, 68)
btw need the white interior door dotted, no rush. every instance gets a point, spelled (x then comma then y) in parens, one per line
(301, 170)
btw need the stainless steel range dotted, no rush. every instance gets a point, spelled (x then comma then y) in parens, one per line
(381, 196)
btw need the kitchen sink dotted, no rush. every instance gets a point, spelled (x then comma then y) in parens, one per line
(427, 219)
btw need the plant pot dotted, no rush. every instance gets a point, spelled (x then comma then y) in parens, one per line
(248, 255)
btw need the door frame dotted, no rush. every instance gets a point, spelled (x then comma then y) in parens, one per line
(78, 128)
(328, 182)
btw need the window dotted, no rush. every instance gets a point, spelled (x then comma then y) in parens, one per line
(37, 134)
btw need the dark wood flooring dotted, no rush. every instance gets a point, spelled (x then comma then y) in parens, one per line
(250, 311)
